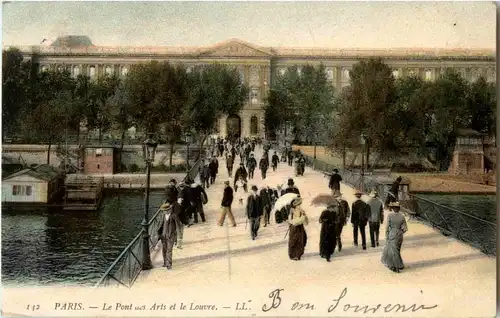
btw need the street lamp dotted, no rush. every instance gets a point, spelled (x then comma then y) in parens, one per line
(362, 181)
(149, 156)
(188, 138)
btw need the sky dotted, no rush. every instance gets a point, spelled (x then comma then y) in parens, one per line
(275, 24)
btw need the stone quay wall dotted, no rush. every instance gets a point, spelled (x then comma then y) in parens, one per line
(131, 154)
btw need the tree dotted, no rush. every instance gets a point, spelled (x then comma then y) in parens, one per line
(481, 105)
(17, 80)
(48, 121)
(160, 93)
(368, 107)
(120, 111)
(301, 100)
(216, 90)
(96, 109)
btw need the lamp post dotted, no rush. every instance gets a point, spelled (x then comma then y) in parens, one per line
(149, 156)
(362, 180)
(188, 139)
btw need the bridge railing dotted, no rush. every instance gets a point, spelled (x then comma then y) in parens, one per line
(127, 266)
(466, 227)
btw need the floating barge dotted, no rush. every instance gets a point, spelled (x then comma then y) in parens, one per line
(83, 193)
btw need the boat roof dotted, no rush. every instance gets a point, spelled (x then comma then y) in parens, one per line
(42, 172)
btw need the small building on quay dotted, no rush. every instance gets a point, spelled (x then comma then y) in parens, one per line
(42, 184)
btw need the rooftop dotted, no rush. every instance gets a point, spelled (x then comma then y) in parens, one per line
(82, 45)
(42, 172)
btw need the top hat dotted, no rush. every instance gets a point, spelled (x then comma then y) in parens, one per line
(254, 188)
(335, 170)
(290, 181)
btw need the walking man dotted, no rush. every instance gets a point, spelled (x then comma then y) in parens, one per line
(227, 201)
(214, 169)
(251, 165)
(335, 179)
(229, 165)
(275, 159)
(376, 217)
(265, 201)
(199, 196)
(254, 212)
(168, 231)
(343, 215)
(263, 165)
(359, 219)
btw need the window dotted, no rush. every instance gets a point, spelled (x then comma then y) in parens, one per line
(475, 75)
(98, 152)
(282, 71)
(491, 76)
(22, 190)
(428, 75)
(254, 125)
(242, 75)
(92, 71)
(346, 74)
(395, 73)
(76, 71)
(329, 74)
(124, 71)
(412, 73)
(45, 68)
(108, 70)
(254, 96)
(299, 70)
(60, 68)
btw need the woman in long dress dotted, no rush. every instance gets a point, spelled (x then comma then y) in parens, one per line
(328, 236)
(396, 227)
(298, 237)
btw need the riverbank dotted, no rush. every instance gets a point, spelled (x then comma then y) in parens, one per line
(440, 183)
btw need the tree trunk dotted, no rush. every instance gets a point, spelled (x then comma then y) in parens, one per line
(205, 135)
(344, 153)
(367, 156)
(100, 134)
(48, 153)
(122, 140)
(78, 133)
(171, 154)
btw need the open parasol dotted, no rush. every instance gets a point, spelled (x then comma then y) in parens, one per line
(283, 201)
(323, 200)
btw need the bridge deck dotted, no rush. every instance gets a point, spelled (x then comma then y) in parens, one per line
(454, 275)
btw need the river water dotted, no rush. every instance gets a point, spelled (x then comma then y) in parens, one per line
(72, 247)
(76, 247)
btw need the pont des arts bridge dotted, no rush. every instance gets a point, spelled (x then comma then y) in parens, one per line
(443, 247)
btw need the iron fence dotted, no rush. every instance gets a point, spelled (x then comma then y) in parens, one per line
(128, 265)
(466, 227)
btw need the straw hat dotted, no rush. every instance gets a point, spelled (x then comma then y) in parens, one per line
(395, 204)
(374, 193)
(296, 201)
(165, 206)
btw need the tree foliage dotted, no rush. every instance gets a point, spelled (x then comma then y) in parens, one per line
(301, 99)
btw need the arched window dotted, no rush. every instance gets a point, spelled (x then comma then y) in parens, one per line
(45, 68)
(428, 75)
(254, 125)
(299, 70)
(282, 71)
(395, 73)
(108, 70)
(76, 71)
(254, 96)
(92, 71)
(329, 74)
(60, 68)
(346, 74)
(124, 71)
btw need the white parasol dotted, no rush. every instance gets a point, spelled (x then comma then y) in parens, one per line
(283, 201)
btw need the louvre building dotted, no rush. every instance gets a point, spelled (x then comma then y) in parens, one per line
(258, 65)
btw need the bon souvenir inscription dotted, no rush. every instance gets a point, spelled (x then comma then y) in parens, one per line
(276, 300)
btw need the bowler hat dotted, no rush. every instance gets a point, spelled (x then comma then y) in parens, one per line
(395, 204)
(226, 182)
(254, 188)
(290, 181)
(335, 170)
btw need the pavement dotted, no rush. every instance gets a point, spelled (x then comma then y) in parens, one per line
(439, 269)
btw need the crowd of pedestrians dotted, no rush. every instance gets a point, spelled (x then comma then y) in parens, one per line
(185, 202)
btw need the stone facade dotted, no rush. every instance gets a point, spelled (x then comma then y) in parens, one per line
(260, 66)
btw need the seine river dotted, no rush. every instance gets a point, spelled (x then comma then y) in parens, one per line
(72, 247)
(55, 247)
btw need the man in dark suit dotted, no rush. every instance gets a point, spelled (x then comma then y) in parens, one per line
(254, 211)
(291, 187)
(171, 191)
(359, 219)
(263, 166)
(335, 179)
(168, 231)
(275, 159)
(342, 217)
(227, 201)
